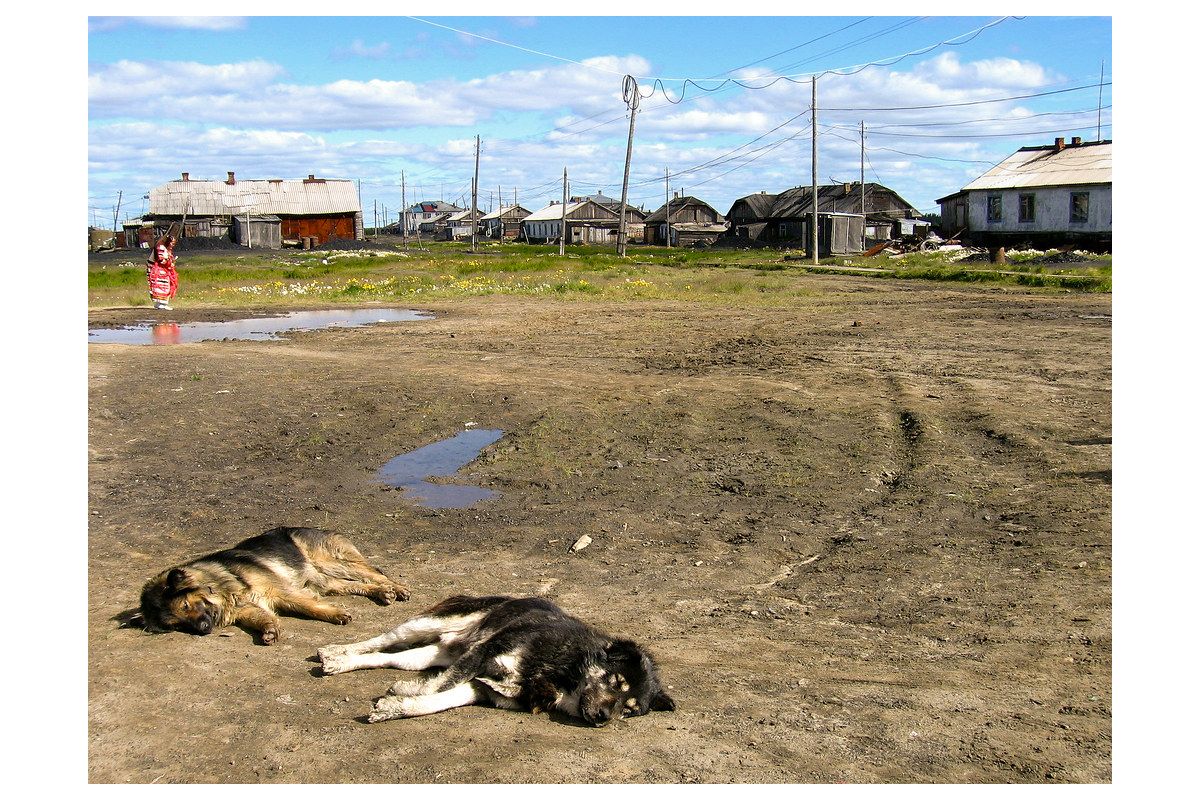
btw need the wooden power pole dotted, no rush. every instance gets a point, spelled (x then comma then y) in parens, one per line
(562, 227)
(475, 195)
(815, 218)
(632, 99)
(668, 188)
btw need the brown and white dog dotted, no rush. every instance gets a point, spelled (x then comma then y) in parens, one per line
(282, 570)
(515, 653)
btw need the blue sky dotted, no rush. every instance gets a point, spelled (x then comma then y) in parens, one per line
(368, 98)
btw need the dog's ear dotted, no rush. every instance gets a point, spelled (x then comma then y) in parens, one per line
(130, 619)
(662, 702)
(178, 579)
(623, 651)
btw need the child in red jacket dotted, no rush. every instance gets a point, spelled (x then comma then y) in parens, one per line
(160, 273)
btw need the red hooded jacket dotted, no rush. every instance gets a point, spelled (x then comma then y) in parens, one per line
(161, 275)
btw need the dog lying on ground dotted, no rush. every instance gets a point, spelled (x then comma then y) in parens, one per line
(281, 570)
(515, 653)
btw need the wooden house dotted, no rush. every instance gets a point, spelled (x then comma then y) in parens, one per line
(588, 222)
(504, 222)
(786, 217)
(691, 222)
(427, 215)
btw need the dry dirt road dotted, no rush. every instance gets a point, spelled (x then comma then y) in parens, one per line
(868, 537)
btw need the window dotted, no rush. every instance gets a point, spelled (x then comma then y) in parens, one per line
(1079, 206)
(993, 208)
(1025, 208)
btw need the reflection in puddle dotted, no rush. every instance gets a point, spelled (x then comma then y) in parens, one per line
(440, 459)
(257, 329)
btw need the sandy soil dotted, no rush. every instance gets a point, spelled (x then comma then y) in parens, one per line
(868, 537)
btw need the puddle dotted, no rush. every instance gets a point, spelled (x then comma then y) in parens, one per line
(257, 329)
(408, 471)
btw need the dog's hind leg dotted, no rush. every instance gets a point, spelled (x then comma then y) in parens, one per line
(338, 562)
(418, 630)
(395, 707)
(416, 659)
(383, 593)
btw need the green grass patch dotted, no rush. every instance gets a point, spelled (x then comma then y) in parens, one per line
(448, 270)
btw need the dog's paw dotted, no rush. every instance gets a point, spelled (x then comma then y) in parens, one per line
(342, 617)
(384, 595)
(331, 651)
(269, 635)
(402, 591)
(335, 664)
(406, 687)
(388, 707)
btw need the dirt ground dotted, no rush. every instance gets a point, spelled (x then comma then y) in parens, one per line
(868, 537)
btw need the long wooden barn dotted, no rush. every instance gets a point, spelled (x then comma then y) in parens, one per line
(261, 213)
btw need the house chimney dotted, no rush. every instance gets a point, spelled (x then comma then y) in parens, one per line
(1059, 144)
(845, 188)
(311, 176)
(230, 179)
(185, 176)
(1076, 141)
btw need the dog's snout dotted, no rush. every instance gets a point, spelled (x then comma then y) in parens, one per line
(600, 717)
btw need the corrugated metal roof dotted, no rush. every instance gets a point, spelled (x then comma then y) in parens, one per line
(214, 198)
(1085, 163)
(553, 211)
(502, 210)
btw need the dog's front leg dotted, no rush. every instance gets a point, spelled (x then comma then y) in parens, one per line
(259, 620)
(395, 707)
(312, 608)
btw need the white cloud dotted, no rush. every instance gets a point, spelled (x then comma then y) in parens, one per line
(246, 117)
(360, 49)
(97, 24)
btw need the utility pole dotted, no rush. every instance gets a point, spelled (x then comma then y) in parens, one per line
(475, 195)
(668, 188)
(1100, 102)
(862, 178)
(633, 98)
(375, 214)
(116, 213)
(815, 218)
(562, 226)
(404, 211)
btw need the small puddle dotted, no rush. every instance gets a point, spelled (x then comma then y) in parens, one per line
(408, 471)
(256, 329)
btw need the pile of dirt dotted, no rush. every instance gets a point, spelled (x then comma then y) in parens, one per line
(205, 243)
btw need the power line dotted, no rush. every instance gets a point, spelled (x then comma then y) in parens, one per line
(797, 47)
(974, 102)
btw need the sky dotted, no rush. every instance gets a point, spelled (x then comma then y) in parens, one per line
(377, 99)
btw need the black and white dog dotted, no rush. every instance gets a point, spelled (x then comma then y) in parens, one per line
(515, 653)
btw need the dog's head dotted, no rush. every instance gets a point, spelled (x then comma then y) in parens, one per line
(623, 683)
(177, 600)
